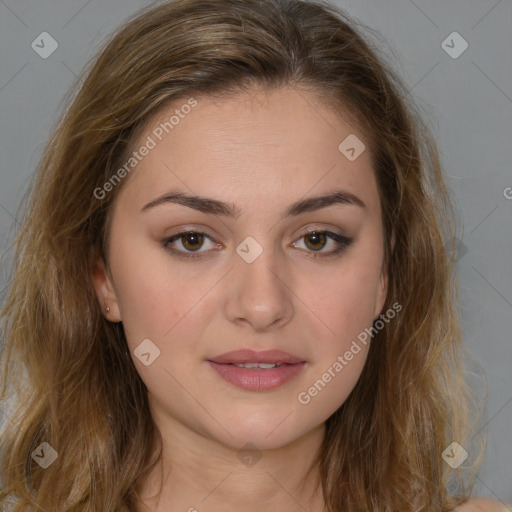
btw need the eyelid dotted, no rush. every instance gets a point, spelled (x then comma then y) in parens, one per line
(186, 254)
(342, 242)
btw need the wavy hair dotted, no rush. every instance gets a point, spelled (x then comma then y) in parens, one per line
(67, 375)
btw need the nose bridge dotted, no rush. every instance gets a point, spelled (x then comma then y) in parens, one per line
(258, 293)
(258, 268)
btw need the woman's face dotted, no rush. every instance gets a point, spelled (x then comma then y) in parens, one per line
(251, 278)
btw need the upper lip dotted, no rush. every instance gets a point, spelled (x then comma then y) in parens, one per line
(250, 356)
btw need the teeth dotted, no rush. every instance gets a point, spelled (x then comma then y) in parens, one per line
(257, 365)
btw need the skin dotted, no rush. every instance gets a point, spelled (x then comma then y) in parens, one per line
(262, 152)
(482, 505)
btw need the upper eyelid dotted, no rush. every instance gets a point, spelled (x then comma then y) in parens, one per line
(306, 231)
(177, 236)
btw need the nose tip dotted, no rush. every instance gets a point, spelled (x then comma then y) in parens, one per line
(257, 295)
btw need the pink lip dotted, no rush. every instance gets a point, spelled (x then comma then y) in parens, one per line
(257, 379)
(250, 356)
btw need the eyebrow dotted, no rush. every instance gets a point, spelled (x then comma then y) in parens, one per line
(216, 207)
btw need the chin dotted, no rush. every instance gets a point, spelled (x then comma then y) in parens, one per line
(264, 432)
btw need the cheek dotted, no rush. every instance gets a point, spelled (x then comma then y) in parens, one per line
(154, 296)
(343, 302)
(331, 386)
(343, 298)
(343, 307)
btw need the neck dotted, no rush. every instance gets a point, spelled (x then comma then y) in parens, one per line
(196, 473)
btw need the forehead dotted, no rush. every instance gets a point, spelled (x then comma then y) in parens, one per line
(267, 144)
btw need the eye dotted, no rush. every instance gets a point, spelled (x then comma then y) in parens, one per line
(191, 241)
(316, 240)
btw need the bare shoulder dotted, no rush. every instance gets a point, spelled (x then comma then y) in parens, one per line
(481, 505)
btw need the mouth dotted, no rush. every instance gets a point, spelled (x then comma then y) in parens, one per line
(257, 371)
(251, 357)
(261, 366)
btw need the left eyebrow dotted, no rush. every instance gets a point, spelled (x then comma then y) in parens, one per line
(216, 207)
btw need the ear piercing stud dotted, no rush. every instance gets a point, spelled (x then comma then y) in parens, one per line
(107, 309)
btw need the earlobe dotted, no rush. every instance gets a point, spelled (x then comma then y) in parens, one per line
(105, 291)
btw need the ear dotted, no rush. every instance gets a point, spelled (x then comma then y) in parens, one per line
(105, 291)
(381, 292)
(383, 284)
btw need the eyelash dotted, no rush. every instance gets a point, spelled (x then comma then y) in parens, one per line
(342, 243)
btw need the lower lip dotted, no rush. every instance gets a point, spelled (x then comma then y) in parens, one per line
(257, 379)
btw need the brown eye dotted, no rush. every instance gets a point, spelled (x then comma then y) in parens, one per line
(192, 241)
(317, 240)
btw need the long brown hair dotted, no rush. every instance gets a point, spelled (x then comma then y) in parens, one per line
(66, 372)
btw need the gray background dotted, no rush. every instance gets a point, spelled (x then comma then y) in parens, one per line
(467, 102)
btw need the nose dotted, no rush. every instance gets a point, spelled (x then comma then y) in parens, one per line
(260, 293)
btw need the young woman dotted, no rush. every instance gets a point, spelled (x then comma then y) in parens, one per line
(233, 285)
